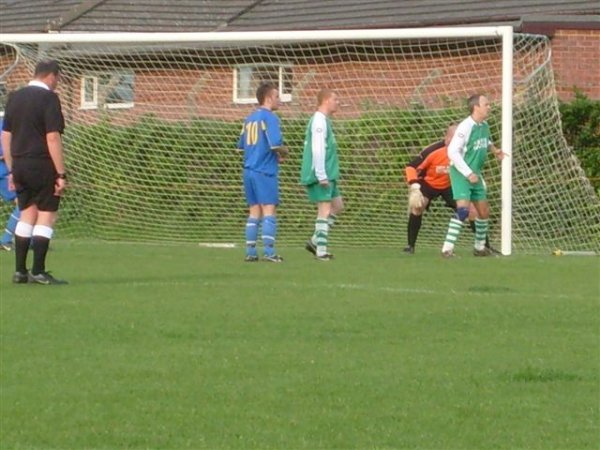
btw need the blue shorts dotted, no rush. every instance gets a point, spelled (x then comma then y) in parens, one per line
(260, 188)
(5, 193)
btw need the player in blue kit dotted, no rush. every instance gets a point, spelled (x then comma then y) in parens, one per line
(6, 242)
(262, 142)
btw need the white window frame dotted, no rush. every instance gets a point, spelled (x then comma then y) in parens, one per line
(94, 77)
(283, 96)
(94, 103)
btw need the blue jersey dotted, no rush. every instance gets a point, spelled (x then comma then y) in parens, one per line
(3, 168)
(261, 133)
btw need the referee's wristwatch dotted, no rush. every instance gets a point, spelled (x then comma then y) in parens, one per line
(62, 176)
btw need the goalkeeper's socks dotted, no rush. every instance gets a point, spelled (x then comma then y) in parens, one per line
(269, 232)
(11, 224)
(454, 228)
(481, 228)
(472, 225)
(414, 225)
(251, 236)
(321, 233)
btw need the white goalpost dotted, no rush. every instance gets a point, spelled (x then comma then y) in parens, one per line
(153, 119)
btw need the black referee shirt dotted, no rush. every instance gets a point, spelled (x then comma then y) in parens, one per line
(30, 114)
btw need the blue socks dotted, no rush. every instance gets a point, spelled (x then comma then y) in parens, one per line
(251, 236)
(269, 231)
(9, 231)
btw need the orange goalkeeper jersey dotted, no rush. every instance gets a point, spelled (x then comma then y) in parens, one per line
(431, 166)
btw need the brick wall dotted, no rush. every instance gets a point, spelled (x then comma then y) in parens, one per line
(180, 94)
(576, 62)
(429, 81)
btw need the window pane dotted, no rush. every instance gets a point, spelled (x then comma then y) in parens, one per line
(249, 79)
(266, 74)
(119, 89)
(244, 82)
(88, 90)
(287, 79)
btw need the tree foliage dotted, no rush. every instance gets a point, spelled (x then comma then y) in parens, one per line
(581, 128)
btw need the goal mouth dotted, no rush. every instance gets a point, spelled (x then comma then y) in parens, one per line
(153, 121)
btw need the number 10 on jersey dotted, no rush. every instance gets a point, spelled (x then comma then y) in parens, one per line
(251, 133)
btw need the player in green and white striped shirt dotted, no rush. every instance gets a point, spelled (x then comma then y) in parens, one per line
(321, 171)
(467, 153)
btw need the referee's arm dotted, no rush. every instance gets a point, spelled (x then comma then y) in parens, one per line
(54, 142)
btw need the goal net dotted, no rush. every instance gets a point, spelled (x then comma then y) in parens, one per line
(152, 129)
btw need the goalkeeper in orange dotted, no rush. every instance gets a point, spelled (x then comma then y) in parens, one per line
(428, 178)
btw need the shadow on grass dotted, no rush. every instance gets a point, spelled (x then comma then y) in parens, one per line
(537, 375)
(153, 279)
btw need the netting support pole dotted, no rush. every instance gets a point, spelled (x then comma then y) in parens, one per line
(507, 140)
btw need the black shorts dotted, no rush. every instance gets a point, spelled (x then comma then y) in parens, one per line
(34, 182)
(432, 193)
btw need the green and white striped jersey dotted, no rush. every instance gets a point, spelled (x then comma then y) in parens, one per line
(320, 158)
(469, 147)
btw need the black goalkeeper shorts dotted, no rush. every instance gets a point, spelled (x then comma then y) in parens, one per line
(432, 193)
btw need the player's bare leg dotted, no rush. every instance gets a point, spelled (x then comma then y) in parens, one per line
(337, 206)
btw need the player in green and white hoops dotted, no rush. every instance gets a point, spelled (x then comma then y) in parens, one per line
(321, 171)
(467, 153)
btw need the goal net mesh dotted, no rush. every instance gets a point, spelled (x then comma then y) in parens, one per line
(152, 129)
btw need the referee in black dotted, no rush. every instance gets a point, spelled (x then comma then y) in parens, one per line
(31, 138)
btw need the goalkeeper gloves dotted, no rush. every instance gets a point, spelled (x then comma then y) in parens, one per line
(416, 200)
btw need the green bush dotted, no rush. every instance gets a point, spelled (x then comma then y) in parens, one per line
(581, 128)
(151, 167)
(129, 178)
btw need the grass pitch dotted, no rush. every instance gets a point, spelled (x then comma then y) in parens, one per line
(173, 347)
